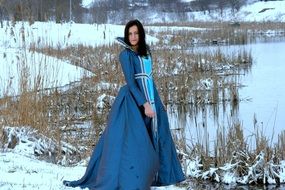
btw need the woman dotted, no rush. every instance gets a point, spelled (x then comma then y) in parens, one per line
(136, 150)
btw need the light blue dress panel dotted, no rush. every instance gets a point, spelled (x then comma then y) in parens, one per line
(147, 64)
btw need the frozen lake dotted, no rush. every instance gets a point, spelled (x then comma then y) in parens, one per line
(261, 98)
(265, 86)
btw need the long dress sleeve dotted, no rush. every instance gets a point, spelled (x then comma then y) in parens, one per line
(129, 73)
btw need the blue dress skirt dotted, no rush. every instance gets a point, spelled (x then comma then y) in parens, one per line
(128, 155)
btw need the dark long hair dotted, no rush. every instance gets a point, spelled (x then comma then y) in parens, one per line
(142, 46)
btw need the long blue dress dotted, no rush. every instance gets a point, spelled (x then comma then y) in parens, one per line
(134, 151)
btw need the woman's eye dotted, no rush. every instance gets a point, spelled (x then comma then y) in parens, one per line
(135, 33)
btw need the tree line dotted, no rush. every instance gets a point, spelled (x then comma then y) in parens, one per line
(221, 5)
(67, 10)
(41, 10)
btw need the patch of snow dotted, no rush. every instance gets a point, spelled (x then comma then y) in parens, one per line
(104, 100)
(39, 71)
(259, 11)
(26, 141)
(20, 172)
(282, 171)
(88, 3)
(263, 11)
(206, 84)
(229, 178)
(193, 168)
(60, 35)
(105, 86)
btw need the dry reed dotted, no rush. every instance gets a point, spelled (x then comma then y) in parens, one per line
(183, 77)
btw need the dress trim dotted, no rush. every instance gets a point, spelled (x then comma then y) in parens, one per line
(144, 77)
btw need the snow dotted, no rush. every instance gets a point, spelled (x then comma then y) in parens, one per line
(20, 172)
(41, 71)
(253, 11)
(58, 35)
(263, 11)
(87, 3)
(19, 168)
(46, 71)
(193, 168)
(259, 11)
(101, 101)
(282, 172)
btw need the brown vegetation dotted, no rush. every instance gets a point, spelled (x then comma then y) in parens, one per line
(183, 75)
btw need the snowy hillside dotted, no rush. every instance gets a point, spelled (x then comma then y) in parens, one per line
(263, 11)
(257, 11)
(252, 11)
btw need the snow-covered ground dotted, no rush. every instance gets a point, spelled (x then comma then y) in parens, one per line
(40, 71)
(48, 71)
(19, 169)
(259, 11)
(263, 11)
(23, 172)
(19, 172)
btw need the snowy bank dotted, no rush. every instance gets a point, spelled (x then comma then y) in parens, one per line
(20, 167)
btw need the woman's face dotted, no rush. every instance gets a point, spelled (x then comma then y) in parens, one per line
(134, 35)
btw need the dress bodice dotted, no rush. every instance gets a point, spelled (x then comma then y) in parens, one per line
(145, 77)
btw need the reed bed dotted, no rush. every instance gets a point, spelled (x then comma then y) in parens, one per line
(184, 77)
(219, 32)
(268, 25)
(54, 108)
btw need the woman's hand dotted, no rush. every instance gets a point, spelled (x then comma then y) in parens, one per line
(148, 110)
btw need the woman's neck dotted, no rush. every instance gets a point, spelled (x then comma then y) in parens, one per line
(135, 48)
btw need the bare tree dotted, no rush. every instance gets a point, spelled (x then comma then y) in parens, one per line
(99, 12)
(202, 5)
(236, 4)
(222, 4)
